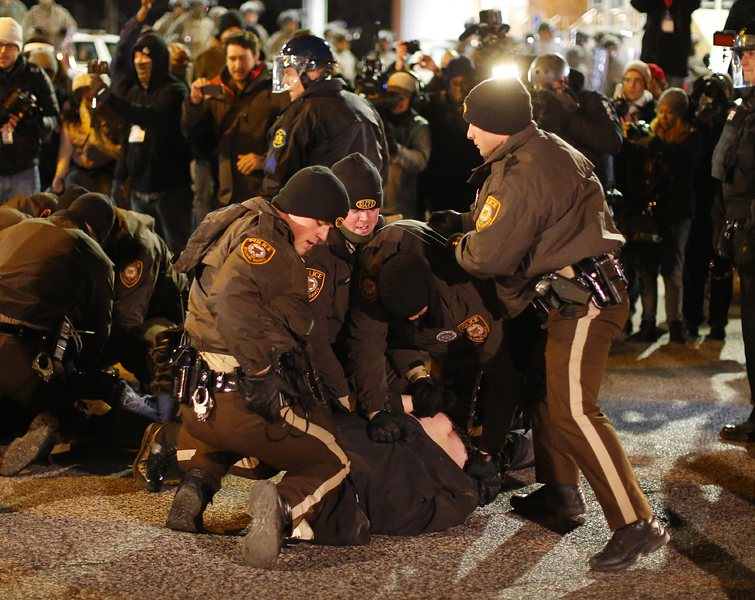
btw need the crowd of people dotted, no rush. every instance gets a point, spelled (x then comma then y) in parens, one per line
(362, 279)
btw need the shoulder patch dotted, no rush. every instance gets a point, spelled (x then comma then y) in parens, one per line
(315, 282)
(279, 139)
(256, 251)
(132, 273)
(476, 328)
(488, 213)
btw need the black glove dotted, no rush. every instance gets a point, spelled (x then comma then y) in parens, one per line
(429, 398)
(446, 222)
(385, 428)
(266, 394)
(486, 469)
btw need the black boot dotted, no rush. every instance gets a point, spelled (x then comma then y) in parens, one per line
(648, 333)
(629, 544)
(35, 444)
(190, 502)
(271, 523)
(740, 432)
(551, 500)
(676, 332)
(156, 464)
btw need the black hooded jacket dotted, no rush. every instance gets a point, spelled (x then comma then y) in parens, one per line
(155, 152)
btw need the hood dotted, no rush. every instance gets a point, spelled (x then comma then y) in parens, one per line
(152, 44)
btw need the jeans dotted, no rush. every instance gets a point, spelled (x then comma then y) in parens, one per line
(668, 259)
(24, 182)
(172, 212)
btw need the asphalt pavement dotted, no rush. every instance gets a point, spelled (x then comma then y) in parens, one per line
(81, 528)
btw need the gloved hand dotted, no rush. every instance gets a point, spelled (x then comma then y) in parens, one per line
(266, 394)
(429, 397)
(385, 428)
(486, 469)
(446, 222)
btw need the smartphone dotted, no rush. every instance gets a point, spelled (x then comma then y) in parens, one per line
(724, 38)
(214, 91)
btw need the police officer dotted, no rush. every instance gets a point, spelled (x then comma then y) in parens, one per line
(56, 293)
(734, 224)
(324, 122)
(330, 268)
(583, 118)
(413, 302)
(542, 197)
(248, 310)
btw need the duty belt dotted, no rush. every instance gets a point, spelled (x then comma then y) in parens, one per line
(21, 331)
(598, 279)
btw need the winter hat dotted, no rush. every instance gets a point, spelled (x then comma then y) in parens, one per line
(97, 211)
(314, 192)
(228, 20)
(676, 99)
(361, 180)
(403, 285)
(45, 60)
(641, 67)
(499, 106)
(70, 194)
(11, 32)
(459, 65)
(402, 82)
(657, 73)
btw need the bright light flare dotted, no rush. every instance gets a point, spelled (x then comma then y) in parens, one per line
(509, 70)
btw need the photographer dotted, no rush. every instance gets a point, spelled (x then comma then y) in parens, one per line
(28, 114)
(237, 107)
(585, 119)
(408, 136)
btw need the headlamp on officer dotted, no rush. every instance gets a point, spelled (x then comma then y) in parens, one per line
(307, 59)
(743, 57)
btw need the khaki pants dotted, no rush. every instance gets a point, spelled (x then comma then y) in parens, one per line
(306, 449)
(571, 434)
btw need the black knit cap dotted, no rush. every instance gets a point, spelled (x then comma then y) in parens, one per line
(362, 181)
(70, 194)
(314, 192)
(403, 285)
(499, 106)
(97, 211)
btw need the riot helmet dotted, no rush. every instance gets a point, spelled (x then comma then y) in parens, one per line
(303, 53)
(743, 57)
(547, 69)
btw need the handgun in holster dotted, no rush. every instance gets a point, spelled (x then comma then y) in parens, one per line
(605, 277)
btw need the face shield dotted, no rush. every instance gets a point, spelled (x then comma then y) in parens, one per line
(287, 69)
(743, 60)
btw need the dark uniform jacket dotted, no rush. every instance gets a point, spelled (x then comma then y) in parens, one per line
(49, 272)
(734, 166)
(23, 153)
(250, 289)
(146, 285)
(409, 487)
(238, 124)
(329, 277)
(540, 208)
(155, 154)
(591, 126)
(462, 316)
(321, 127)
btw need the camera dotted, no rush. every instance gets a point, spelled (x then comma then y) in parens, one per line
(412, 46)
(371, 83)
(97, 67)
(491, 25)
(637, 131)
(20, 103)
